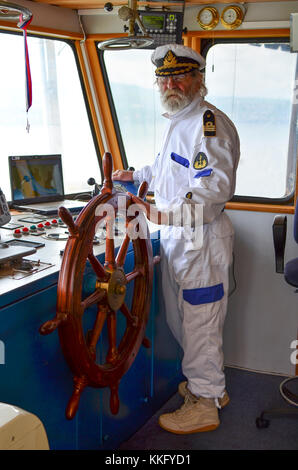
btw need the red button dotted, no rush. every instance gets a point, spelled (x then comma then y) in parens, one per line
(25, 230)
(40, 225)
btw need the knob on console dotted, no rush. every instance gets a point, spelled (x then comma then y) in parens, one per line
(92, 182)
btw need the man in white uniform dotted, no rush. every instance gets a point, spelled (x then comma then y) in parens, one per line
(196, 167)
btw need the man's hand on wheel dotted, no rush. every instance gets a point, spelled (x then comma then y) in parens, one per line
(151, 212)
(122, 175)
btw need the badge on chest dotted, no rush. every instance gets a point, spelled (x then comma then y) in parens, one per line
(200, 161)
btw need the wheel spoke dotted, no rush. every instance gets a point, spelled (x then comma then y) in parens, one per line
(112, 354)
(94, 298)
(134, 274)
(120, 259)
(132, 319)
(97, 266)
(110, 246)
(97, 328)
(110, 254)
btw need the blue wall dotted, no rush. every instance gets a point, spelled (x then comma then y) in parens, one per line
(36, 377)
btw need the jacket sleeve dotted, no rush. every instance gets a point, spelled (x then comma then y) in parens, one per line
(144, 173)
(147, 173)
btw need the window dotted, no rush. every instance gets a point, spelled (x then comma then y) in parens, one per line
(136, 100)
(254, 84)
(58, 118)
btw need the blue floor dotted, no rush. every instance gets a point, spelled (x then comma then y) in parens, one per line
(250, 393)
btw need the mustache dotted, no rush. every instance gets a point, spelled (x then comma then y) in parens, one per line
(172, 93)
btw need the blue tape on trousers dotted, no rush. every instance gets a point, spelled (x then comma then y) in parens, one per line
(204, 295)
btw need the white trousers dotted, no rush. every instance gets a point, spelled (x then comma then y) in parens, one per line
(196, 308)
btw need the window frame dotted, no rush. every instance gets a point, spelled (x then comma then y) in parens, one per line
(206, 45)
(121, 147)
(71, 43)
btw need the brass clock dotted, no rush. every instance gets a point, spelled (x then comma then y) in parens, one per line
(232, 16)
(208, 18)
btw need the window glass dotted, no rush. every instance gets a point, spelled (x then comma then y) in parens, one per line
(58, 118)
(254, 84)
(136, 99)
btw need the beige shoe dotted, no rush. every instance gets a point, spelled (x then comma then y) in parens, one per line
(195, 415)
(182, 390)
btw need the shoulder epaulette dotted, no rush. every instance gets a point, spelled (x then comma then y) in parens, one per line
(209, 125)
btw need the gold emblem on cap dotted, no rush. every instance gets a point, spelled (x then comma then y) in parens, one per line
(170, 59)
(172, 66)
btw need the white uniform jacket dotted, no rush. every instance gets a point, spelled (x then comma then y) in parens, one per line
(193, 168)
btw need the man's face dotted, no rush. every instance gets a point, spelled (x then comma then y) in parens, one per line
(176, 92)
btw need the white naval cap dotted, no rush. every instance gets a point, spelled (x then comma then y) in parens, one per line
(173, 59)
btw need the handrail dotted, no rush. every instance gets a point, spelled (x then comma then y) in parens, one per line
(129, 13)
(12, 11)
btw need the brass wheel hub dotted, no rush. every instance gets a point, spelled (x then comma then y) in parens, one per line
(115, 288)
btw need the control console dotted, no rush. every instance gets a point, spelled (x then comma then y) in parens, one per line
(165, 27)
(4, 210)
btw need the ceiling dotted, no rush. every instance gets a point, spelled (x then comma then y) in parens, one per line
(93, 4)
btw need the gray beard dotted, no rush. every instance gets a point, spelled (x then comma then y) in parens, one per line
(174, 101)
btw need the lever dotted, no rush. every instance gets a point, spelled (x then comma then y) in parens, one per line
(97, 187)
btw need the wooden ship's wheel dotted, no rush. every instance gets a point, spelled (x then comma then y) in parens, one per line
(108, 297)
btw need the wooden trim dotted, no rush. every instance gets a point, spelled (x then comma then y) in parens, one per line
(241, 33)
(248, 206)
(192, 41)
(104, 37)
(54, 33)
(207, 2)
(89, 97)
(90, 4)
(196, 43)
(103, 104)
(193, 38)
